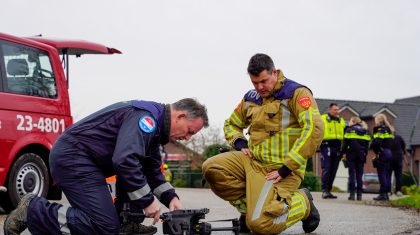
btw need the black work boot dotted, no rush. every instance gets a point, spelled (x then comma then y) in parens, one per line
(332, 196)
(312, 221)
(352, 197)
(15, 222)
(134, 228)
(325, 195)
(242, 223)
(381, 197)
(359, 197)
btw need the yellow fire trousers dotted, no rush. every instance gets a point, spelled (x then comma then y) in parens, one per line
(270, 208)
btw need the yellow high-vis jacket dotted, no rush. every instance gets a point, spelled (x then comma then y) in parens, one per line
(284, 129)
(334, 129)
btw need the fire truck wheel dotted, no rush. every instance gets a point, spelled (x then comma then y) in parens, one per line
(29, 174)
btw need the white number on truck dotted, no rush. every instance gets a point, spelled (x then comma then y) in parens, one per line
(27, 123)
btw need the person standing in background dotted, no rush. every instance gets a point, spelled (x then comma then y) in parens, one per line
(396, 164)
(355, 147)
(330, 148)
(381, 145)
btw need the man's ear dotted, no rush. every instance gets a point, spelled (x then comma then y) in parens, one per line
(274, 73)
(181, 115)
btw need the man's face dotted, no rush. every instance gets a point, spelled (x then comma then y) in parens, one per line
(265, 82)
(333, 111)
(183, 128)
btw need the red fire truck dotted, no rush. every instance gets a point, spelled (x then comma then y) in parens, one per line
(34, 110)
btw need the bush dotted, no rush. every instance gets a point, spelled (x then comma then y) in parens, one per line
(410, 190)
(187, 179)
(179, 183)
(407, 179)
(410, 201)
(214, 149)
(311, 182)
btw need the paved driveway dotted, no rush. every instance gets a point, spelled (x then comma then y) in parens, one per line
(338, 216)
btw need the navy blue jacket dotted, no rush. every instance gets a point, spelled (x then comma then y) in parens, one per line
(398, 147)
(123, 139)
(382, 138)
(355, 142)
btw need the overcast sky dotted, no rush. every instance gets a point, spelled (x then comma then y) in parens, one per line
(365, 50)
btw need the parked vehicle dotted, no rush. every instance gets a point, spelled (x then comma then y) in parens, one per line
(34, 110)
(370, 183)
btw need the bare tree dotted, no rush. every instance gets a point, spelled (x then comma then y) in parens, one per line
(205, 138)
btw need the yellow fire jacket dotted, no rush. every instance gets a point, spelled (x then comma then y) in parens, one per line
(284, 129)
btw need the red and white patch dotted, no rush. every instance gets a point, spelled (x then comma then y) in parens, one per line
(147, 124)
(305, 102)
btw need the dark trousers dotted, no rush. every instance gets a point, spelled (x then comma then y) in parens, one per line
(396, 167)
(355, 175)
(92, 210)
(384, 159)
(329, 164)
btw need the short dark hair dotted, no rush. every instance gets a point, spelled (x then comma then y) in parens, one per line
(333, 104)
(260, 62)
(193, 108)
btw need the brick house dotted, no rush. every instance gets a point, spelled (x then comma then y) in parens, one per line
(403, 114)
(179, 156)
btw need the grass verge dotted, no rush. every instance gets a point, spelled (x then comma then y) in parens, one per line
(412, 201)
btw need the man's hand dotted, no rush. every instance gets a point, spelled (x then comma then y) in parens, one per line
(153, 211)
(274, 175)
(175, 204)
(247, 152)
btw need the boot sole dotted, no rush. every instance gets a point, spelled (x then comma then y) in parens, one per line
(313, 209)
(16, 212)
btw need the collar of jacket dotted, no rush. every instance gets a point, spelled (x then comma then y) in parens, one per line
(280, 81)
(284, 89)
(334, 118)
(166, 125)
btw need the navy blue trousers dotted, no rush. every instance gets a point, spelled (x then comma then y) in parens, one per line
(83, 183)
(355, 175)
(396, 167)
(384, 159)
(329, 164)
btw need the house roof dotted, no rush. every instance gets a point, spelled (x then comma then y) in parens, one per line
(410, 100)
(406, 111)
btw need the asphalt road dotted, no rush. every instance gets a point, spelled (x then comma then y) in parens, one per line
(338, 216)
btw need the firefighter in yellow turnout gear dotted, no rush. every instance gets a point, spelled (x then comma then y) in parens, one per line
(262, 178)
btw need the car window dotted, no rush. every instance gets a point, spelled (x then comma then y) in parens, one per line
(371, 177)
(28, 71)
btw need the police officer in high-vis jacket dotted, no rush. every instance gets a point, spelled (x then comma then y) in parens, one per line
(262, 178)
(382, 146)
(355, 147)
(330, 148)
(123, 140)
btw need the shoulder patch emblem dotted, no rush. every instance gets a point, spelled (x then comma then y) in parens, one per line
(147, 124)
(305, 102)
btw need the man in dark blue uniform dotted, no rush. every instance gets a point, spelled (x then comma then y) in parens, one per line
(396, 164)
(123, 140)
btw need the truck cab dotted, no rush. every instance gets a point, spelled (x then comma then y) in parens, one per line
(34, 110)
